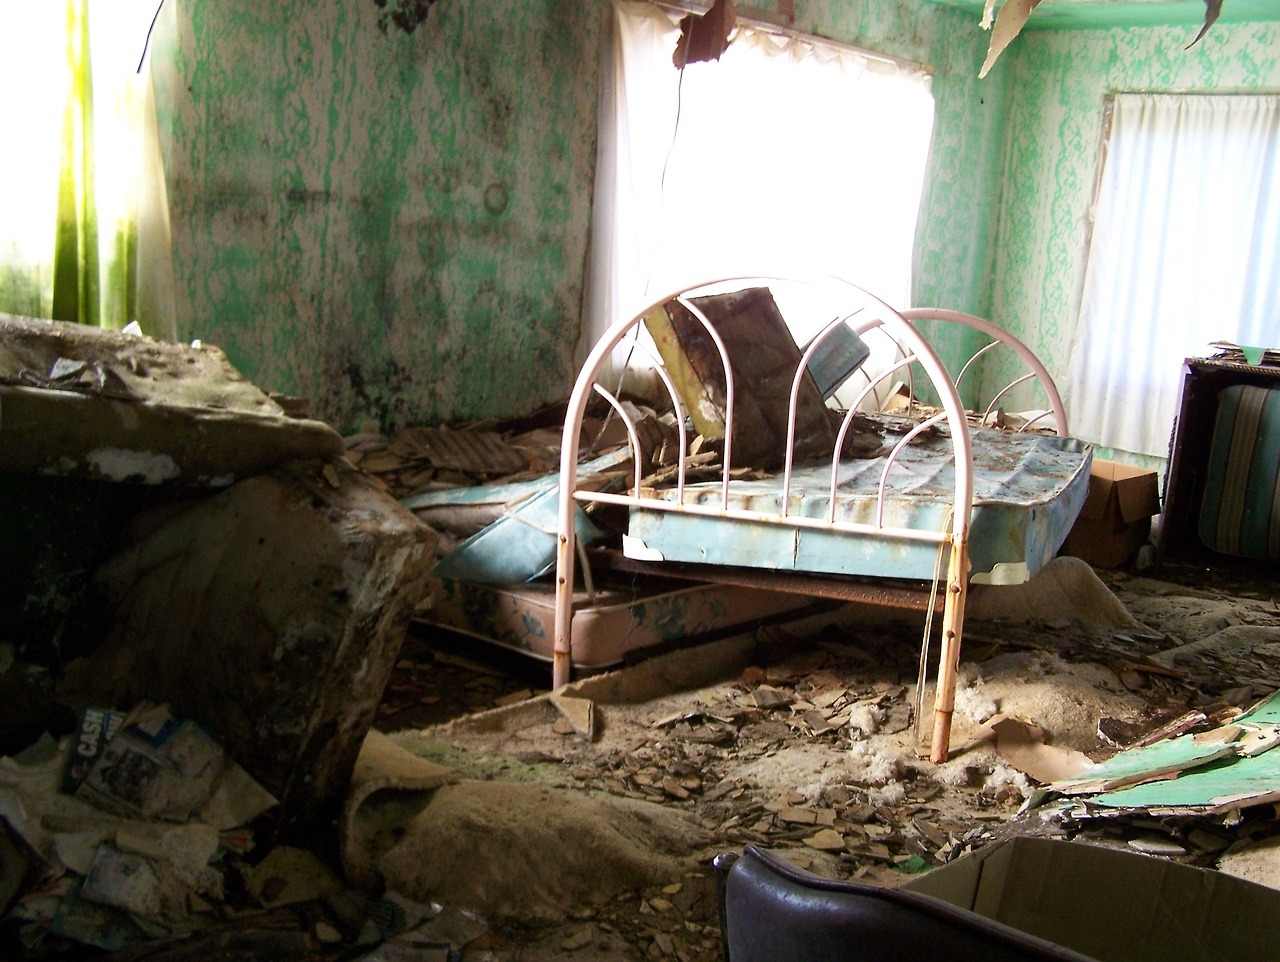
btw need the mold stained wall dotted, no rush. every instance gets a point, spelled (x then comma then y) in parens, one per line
(1057, 82)
(392, 225)
(395, 226)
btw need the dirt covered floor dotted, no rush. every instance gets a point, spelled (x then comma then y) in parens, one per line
(802, 739)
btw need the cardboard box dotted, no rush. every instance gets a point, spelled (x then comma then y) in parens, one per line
(1116, 518)
(1112, 905)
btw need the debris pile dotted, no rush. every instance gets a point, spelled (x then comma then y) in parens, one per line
(426, 458)
(431, 683)
(809, 747)
(1201, 786)
(121, 828)
(138, 836)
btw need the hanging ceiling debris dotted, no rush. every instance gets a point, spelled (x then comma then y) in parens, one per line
(705, 37)
(1013, 15)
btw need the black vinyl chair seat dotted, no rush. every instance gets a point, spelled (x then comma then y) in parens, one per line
(771, 911)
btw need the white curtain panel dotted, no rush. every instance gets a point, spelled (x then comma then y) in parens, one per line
(784, 154)
(1185, 251)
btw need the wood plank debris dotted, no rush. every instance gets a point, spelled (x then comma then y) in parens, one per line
(579, 712)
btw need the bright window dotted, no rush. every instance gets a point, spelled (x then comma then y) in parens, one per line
(786, 154)
(1184, 252)
(84, 229)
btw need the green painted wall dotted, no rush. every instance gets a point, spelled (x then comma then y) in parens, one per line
(390, 224)
(395, 225)
(1057, 82)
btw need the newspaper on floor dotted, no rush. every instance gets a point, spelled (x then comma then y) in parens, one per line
(155, 767)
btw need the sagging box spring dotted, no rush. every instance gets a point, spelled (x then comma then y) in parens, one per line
(623, 619)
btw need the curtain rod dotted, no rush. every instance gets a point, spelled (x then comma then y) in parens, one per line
(1193, 92)
(768, 22)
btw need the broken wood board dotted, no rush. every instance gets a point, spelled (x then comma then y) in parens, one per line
(1022, 745)
(580, 713)
(1230, 783)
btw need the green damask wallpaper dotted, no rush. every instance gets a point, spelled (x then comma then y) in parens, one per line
(1057, 82)
(395, 225)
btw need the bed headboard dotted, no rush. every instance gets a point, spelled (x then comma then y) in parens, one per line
(854, 307)
(706, 357)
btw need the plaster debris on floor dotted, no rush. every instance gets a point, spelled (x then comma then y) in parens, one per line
(807, 746)
(491, 819)
(224, 744)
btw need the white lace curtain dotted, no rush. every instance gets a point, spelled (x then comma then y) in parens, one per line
(784, 153)
(1185, 251)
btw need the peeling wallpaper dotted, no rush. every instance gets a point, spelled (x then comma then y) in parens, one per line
(395, 226)
(1057, 83)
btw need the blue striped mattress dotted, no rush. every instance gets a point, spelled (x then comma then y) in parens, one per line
(1240, 511)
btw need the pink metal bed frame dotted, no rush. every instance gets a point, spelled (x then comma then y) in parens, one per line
(871, 314)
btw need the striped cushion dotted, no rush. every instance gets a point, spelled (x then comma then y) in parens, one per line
(1240, 514)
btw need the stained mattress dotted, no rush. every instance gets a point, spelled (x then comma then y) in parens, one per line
(1028, 490)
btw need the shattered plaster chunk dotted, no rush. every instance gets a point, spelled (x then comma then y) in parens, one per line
(83, 402)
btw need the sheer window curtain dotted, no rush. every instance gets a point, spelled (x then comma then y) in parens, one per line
(783, 154)
(1185, 251)
(84, 234)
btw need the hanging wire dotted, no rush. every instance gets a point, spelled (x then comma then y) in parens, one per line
(648, 283)
(928, 629)
(147, 43)
(584, 562)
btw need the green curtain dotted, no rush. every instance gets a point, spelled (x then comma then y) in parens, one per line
(82, 290)
(84, 213)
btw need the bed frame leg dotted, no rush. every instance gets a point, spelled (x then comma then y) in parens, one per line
(949, 655)
(562, 663)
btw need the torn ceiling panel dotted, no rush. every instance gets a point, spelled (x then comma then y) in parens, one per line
(1009, 22)
(705, 37)
(1016, 15)
(1109, 14)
